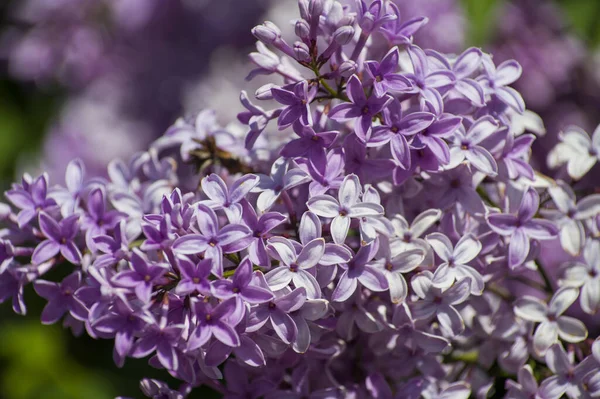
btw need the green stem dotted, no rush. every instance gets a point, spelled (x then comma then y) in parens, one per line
(544, 275)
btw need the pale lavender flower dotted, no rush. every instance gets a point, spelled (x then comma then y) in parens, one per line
(280, 180)
(527, 387)
(570, 215)
(552, 322)
(522, 227)
(344, 208)
(221, 197)
(577, 150)
(393, 263)
(569, 377)
(426, 80)
(454, 261)
(400, 33)
(194, 277)
(496, 81)
(295, 263)
(440, 303)
(361, 270)
(277, 313)
(586, 275)
(467, 146)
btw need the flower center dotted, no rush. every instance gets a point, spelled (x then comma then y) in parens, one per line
(365, 110)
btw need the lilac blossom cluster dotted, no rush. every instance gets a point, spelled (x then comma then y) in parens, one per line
(378, 232)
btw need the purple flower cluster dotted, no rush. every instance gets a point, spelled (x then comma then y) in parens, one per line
(385, 241)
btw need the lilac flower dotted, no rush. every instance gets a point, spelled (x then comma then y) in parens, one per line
(143, 276)
(395, 129)
(241, 286)
(124, 322)
(400, 33)
(467, 146)
(326, 174)
(213, 241)
(360, 109)
(358, 161)
(360, 270)
(295, 261)
(312, 310)
(568, 378)
(114, 247)
(497, 79)
(194, 277)
(440, 303)
(433, 137)
(220, 197)
(426, 81)
(522, 227)
(371, 18)
(298, 101)
(344, 208)
(218, 321)
(30, 197)
(511, 163)
(464, 68)
(160, 337)
(158, 389)
(354, 317)
(410, 234)
(277, 313)
(59, 238)
(310, 144)
(70, 197)
(527, 387)
(552, 323)
(455, 259)
(280, 180)
(393, 263)
(570, 215)
(61, 299)
(586, 275)
(98, 220)
(456, 188)
(577, 150)
(261, 228)
(384, 74)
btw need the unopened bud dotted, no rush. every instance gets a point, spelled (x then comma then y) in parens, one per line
(302, 29)
(267, 33)
(347, 68)
(301, 51)
(343, 35)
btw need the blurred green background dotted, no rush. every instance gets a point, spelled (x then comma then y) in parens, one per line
(47, 362)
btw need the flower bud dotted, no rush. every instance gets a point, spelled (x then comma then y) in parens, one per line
(302, 29)
(343, 35)
(264, 92)
(267, 33)
(347, 68)
(301, 51)
(303, 5)
(315, 8)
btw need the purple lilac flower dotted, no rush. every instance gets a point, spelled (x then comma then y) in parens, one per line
(467, 146)
(297, 100)
(212, 240)
(220, 197)
(218, 322)
(59, 238)
(31, 197)
(241, 286)
(586, 276)
(361, 270)
(61, 299)
(360, 109)
(522, 227)
(280, 180)
(143, 276)
(552, 322)
(384, 77)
